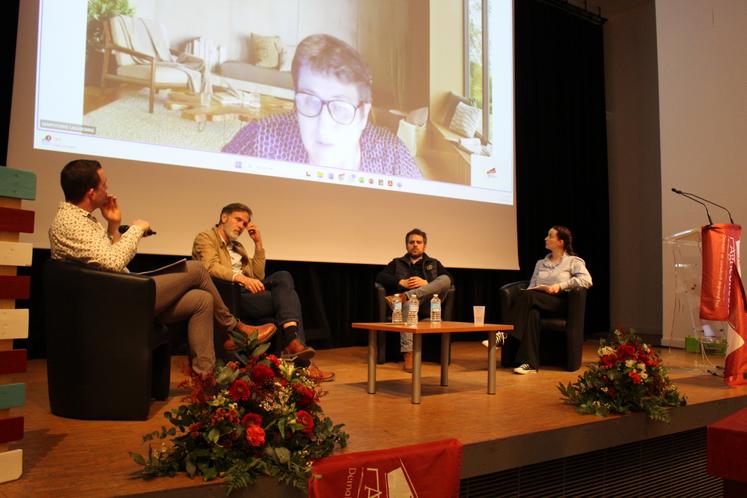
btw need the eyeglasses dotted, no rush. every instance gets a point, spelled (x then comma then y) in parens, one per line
(311, 106)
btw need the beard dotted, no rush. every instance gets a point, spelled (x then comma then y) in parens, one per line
(230, 235)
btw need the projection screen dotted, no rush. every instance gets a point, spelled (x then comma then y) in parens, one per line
(337, 162)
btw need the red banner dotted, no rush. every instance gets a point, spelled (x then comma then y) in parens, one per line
(429, 470)
(722, 295)
(720, 256)
(735, 366)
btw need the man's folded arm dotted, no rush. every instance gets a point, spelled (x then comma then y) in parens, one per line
(387, 277)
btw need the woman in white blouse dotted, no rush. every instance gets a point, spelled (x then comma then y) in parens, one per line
(558, 272)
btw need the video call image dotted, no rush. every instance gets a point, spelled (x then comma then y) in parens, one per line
(353, 92)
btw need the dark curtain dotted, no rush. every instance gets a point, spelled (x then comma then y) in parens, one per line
(8, 32)
(561, 179)
(561, 141)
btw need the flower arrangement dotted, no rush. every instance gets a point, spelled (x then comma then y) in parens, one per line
(258, 415)
(629, 377)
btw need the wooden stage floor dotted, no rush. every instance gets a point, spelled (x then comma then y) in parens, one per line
(523, 423)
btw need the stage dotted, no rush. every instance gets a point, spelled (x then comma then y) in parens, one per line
(523, 424)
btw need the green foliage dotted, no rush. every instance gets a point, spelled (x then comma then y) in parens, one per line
(99, 10)
(629, 377)
(256, 416)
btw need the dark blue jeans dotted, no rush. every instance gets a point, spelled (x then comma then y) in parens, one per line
(278, 302)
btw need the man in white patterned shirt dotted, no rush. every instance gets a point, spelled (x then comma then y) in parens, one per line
(187, 293)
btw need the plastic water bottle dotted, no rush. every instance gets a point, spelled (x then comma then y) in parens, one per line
(435, 309)
(396, 309)
(412, 310)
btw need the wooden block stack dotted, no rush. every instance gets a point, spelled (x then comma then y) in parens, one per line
(15, 185)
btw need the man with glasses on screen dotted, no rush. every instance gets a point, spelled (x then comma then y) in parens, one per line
(183, 293)
(262, 296)
(330, 124)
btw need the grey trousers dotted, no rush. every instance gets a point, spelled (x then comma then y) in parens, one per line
(188, 293)
(440, 285)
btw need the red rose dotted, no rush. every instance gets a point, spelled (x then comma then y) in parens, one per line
(251, 419)
(262, 373)
(608, 361)
(273, 359)
(239, 390)
(305, 395)
(635, 377)
(626, 350)
(304, 418)
(255, 435)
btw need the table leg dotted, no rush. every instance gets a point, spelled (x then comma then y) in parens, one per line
(371, 362)
(445, 342)
(417, 350)
(491, 362)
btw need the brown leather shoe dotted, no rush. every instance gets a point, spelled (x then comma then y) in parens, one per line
(297, 351)
(264, 331)
(321, 375)
(408, 362)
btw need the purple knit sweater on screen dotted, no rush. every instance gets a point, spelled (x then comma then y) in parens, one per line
(278, 137)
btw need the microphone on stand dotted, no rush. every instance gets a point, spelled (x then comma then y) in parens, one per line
(123, 228)
(687, 196)
(677, 191)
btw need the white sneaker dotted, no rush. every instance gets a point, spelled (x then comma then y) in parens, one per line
(524, 369)
(500, 338)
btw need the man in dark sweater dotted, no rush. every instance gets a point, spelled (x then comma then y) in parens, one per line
(414, 273)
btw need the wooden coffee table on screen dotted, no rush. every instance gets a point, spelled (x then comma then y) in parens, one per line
(428, 327)
(192, 109)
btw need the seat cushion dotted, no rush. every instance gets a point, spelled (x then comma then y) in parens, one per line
(164, 75)
(554, 324)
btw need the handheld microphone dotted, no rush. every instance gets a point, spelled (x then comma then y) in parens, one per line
(123, 228)
(677, 191)
(686, 196)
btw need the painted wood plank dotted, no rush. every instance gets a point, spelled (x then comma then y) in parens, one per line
(14, 324)
(15, 253)
(17, 183)
(11, 465)
(15, 287)
(12, 395)
(16, 220)
(11, 429)
(13, 361)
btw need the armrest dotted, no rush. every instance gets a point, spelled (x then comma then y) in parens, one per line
(507, 296)
(381, 306)
(129, 51)
(447, 313)
(576, 311)
(230, 292)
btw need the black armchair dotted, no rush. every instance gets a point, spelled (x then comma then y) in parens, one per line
(567, 333)
(388, 344)
(106, 356)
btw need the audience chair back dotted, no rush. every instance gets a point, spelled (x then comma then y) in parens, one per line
(106, 357)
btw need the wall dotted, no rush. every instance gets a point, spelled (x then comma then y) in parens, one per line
(446, 52)
(703, 123)
(231, 22)
(634, 171)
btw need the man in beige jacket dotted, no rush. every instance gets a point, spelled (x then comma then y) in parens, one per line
(262, 296)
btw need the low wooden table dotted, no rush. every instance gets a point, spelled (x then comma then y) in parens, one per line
(192, 109)
(428, 327)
